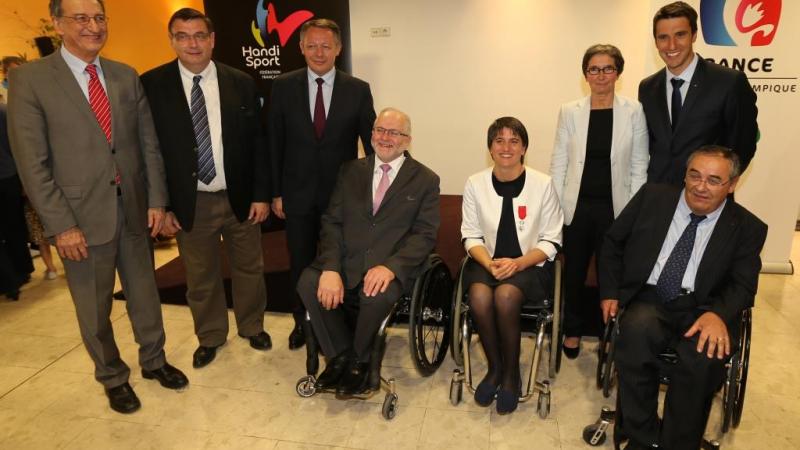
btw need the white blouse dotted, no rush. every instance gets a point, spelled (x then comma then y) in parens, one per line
(537, 213)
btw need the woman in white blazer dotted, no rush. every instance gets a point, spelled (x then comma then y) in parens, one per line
(511, 226)
(599, 161)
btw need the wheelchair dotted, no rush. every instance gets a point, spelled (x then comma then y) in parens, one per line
(427, 308)
(547, 318)
(733, 386)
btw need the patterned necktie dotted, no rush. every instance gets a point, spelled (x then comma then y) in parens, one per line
(383, 186)
(677, 101)
(98, 100)
(669, 282)
(319, 111)
(205, 157)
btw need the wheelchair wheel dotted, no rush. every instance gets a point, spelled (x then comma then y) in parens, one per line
(305, 386)
(744, 365)
(602, 353)
(592, 437)
(389, 409)
(609, 374)
(429, 318)
(543, 405)
(557, 326)
(457, 311)
(456, 391)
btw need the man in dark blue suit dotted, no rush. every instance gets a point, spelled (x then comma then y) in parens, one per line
(316, 117)
(692, 102)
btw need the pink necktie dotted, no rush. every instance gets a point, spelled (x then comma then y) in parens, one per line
(383, 186)
(99, 101)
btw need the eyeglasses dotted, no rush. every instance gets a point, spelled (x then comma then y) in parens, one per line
(712, 181)
(83, 19)
(392, 133)
(594, 70)
(313, 47)
(200, 36)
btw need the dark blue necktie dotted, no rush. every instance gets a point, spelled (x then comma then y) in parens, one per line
(677, 101)
(205, 157)
(668, 285)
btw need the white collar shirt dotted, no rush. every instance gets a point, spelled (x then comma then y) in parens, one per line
(327, 89)
(686, 76)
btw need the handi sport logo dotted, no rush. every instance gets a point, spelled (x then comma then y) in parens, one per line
(267, 22)
(753, 20)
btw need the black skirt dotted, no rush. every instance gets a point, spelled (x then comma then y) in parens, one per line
(534, 282)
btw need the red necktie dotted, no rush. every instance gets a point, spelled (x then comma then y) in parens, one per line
(98, 100)
(319, 111)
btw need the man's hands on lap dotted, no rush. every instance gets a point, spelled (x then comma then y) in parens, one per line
(713, 332)
(330, 291)
(377, 280)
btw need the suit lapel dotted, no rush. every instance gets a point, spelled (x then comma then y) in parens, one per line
(726, 224)
(582, 125)
(695, 88)
(365, 183)
(339, 100)
(66, 80)
(227, 94)
(661, 103)
(404, 176)
(662, 217)
(112, 91)
(302, 86)
(619, 122)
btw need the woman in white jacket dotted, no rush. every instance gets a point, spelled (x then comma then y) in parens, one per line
(511, 225)
(599, 161)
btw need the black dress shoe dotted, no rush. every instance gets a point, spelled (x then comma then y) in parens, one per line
(330, 377)
(354, 380)
(122, 399)
(296, 338)
(203, 356)
(485, 393)
(261, 341)
(169, 376)
(571, 352)
(507, 401)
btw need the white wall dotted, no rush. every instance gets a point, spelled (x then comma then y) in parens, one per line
(456, 65)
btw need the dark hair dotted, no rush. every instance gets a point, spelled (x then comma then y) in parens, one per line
(513, 124)
(675, 10)
(186, 14)
(604, 49)
(55, 7)
(327, 24)
(9, 60)
(721, 151)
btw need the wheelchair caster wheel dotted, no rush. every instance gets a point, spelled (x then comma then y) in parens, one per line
(389, 406)
(456, 392)
(593, 436)
(543, 405)
(305, 387)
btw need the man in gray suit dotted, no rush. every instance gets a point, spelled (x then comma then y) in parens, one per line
(378, 230)
(83, 139)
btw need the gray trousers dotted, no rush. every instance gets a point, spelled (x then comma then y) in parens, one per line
(205, 294)
(354, 323)
(91, 284)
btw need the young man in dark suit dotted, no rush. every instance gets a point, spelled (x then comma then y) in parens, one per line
(316, 117)
(692, 102)
(376, 234)
(207, 120)
(683, 264)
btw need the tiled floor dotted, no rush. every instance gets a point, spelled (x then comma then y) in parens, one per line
(246, 399)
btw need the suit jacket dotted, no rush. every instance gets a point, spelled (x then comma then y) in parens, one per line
(629, 152)
(305, 168)
(727, 276)
(400, 236)
(64, 160)
(719, 108)
(245, 159)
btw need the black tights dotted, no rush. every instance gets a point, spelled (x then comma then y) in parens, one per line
(497, 318)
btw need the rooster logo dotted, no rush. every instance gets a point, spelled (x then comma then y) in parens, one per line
(267, 21)
(756, 21)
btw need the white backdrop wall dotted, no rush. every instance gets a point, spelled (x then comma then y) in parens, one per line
(456, 65)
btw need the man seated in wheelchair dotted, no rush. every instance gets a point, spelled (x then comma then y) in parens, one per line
(680, 265)
(511, 226)
(379, 228)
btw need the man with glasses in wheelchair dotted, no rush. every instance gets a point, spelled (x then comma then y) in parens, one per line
(379, 228)
(680, 266)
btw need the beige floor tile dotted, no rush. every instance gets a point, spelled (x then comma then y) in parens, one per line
(402, 432)
(325, 421)
(11, 377)
(100, 434)
(523, 430)
(22, 430)
(227, 441)
(25, 350)
(455, 429)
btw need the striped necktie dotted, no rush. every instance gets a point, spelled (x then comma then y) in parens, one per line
(98, 100)
(205, 157)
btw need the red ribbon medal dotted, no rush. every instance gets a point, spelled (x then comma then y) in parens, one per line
(522, 211)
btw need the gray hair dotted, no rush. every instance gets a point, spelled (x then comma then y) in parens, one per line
(405, 117)
(721, 151)
(56, 10)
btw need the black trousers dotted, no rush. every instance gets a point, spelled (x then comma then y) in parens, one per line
(647, 327)
(582, 239)
(15, 262)
(354, 323)
(302, 236)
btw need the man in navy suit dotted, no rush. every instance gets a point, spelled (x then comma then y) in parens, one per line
(316, 117)
(711, 104)
(207, 121)
(683, 264)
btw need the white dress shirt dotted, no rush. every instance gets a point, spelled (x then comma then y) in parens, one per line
(686, 76)
(377, 172)
(78, 68)
(327, 90)
(680, 220)
(210, 86)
